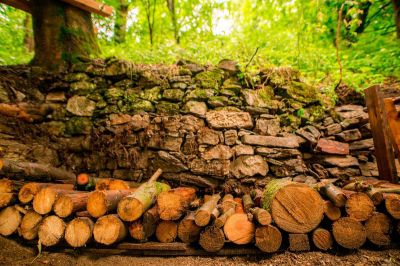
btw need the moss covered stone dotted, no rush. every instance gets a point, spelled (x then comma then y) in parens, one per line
(175, 95)
(82, 87)
(113, 94)
(164, 107)
(81, 106)
(209, 79)
(303, 92)
(218, 101)
(263, 97)
(72, 77)
(142, 105)
(200, 94)
(78, 126)
(196, 108)
(289, 120)
(315, 113)
(153, 94)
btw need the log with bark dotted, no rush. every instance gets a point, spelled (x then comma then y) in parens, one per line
(379, 228)
(282, 199)
(10, 219)
(150, 220)
(261, 216)
(109, 229)
(268, 238)
(79, 232)
(67, 204)
(44, 200)
(172, 204)
(203, 214)
(51, 230)
(238, 229)
(101, 202)
(247, 203)
(117, 184)
(334, 194)
(131, 207)
(349, 233)
(35, 171)
(359, 206)
(29, 190)
(167, 231)
(331, 211)
(299, 242)
(322, 239)
(136, 230)
(392, 205)
(188, 230)
(212, 239)
(30, 225)
(227, 206)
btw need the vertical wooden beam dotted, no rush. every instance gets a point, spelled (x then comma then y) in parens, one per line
(393, 117)
(379, 127)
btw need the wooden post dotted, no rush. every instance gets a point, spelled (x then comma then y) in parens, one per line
(393, 115)
(379, 126)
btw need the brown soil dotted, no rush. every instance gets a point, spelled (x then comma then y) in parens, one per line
(12, 253)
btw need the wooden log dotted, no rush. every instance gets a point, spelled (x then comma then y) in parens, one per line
(261, 216)
(349, 233)
(268, 238)
(150, 220)
(101, 202)
(172, 204)
(10, 219)
(30, 225)
(131, 207)
(109, 229)
(378, 228)
(67, 204)
(237, 228)
(322, 239)
(188, 230)
(102, 183)
(334, 194)
(359, 206)
(29, 190)
(212, 239)
(79, 232)
(51, 230)
(215, 214)
(331, 211)
(299, 242)
(282, 199)
(247, 202)
(6, 185)
(117, 184)
(44, 200)
(392, 205)
(196, 203)
(7, 199)
(35, 171)
(167, 231)
(227, 203)
(136, 231)
(203, 214)
(221, 220)
(257, 196)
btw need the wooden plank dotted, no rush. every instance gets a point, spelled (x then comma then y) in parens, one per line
(176, 246)
(92, 6)
(383, 148)
(393, 116)
(18, 4)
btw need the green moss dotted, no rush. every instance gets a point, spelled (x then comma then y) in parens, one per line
(173, 94)
(72, 77)
(200, 94)
(218, 101)
(209, 79)
(303, 92)
(316, 113)
(142, 105)
(167, 108)
(263, 97)
(78, 126)
(153, 94)
(82, 87)
(290, 120)
(113, 94)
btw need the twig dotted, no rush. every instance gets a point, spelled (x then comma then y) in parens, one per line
(337, 42)
(251, 59)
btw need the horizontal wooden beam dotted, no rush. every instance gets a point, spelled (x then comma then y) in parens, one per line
(91, 6)
(18, 4)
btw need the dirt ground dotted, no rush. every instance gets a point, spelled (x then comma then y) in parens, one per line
(12, 253)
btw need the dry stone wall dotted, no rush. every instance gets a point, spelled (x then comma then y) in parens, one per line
(208, 126)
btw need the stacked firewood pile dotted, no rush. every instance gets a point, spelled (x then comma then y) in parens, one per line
(286, 214)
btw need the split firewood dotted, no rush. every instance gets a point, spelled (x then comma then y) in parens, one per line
(30, 225)
(172, 204)
(43, 201)
(67, 204)
(392, 205)
(6, 185)
(79, 232)
(227, 207)
(331, 211)
(29, 190)
(203, 214)
(349, 233)
(261, 216)
(101, 202)
(136, 231)
(334, 194)
(188, 230)
(299, 242)
(7, 199)
(150, 220)
(131, 207)
(322, 239)
(282, 198)
(51, 230)
(359, 206)
(167, 231)
(212, 239)
(109, 229)
(378, 228)
(35, 171)
(268, 238)
(117, 184)
(238, 228)
(10, 219)
(221, 220)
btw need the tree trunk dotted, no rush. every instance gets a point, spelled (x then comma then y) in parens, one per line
(43, 201)
(120, 21)
(378, 229)
(30, 225)
(101, 202)
(67, 204)
(29, 43)
(349, 233)
(29, 190)
(109, 229)
(10, 219)
(322, 239)
(62, 33)
(212, 239)
(173, 203)
(167, 231)
(51, 230)
(172, 11)
(188, 230)
(268, 238)
(396, 6)
(79, 232)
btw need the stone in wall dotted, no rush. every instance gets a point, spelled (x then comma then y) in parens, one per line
(248, 165)
(270, 141)
(227, 119)
(218, 168)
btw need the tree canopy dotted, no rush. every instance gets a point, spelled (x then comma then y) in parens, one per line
(298, 33)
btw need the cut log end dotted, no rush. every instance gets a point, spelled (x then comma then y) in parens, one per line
(97, 204)
(392, 205)
(30, 225)
(51, 230)
(239, 229)
(27, 192)
(63, 206)
(167, 231)
(349, 233)
(212, 239)
(378, 229)
(268, 238)
(188, 230)
(109, 229)
(331, 211)
(10, 219)
(79, 231)
(359, 206)
(130, 209)
(44, 200)
(322, 239)
(7, 199)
